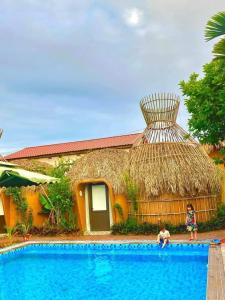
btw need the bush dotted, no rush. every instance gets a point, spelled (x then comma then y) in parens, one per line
(119, 209)
(221, 211)
(51, 231)
(58, 202)
(132, 227)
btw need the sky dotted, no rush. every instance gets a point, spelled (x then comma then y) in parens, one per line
(74, 70)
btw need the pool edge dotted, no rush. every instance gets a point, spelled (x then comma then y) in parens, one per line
(215, 288)
(24, 244)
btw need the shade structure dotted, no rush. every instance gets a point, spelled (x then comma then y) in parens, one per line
(166, 159)
(170, 168)
(12, 175)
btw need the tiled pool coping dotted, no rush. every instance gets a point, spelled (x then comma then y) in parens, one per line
(216, 261)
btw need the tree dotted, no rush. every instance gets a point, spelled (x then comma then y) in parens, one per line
(58, 202)
(215, 28)
(205, 101)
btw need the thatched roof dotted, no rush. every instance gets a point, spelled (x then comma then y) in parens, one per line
(180, 169)
(34, 165)
(177, 168)
(165, 160)
(110, 164)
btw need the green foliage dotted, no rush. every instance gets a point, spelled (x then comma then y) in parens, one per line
(132, 191)
(215, 28)
(119, 209)
(132, 227)
(19, 200)
(221, 211)
(68, 224)
(60, 195)
(46, 203)
(29, 221)
(9, 231)
(219, 48)
(61, 168)
(205, 102)
(22, 228)
(58, 202)
(221, 159)
(26, 223)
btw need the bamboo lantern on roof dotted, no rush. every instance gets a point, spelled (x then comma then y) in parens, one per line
(169, 166)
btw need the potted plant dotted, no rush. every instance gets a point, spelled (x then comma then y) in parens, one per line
(26, 234)
(24, 230)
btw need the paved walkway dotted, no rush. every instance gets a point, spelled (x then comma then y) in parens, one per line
(223, 254)
(216, 275)
(109, 237)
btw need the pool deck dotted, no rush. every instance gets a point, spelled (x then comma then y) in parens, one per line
(216, 273)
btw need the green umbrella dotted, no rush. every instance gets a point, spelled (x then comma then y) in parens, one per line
(12, 175)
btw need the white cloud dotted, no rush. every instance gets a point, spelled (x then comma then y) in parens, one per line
(133, 16)
(77, 69)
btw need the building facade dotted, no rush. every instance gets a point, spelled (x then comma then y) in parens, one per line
(72, 150)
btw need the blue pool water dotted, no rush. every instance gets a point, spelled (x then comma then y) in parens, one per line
(104, 271)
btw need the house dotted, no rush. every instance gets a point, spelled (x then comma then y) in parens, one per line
(72, 150)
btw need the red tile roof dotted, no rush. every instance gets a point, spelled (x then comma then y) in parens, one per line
(71, 147)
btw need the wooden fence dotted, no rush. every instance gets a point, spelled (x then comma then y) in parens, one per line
(174, 210)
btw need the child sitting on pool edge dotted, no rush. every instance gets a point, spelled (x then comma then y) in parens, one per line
(163, 237)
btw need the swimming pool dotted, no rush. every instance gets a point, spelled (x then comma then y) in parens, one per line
(104, 271)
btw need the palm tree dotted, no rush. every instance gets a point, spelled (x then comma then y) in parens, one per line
(215, 28)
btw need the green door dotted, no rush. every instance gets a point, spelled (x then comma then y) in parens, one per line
(99, 207)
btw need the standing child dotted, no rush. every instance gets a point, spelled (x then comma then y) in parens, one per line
(191, 222)
(163, 236)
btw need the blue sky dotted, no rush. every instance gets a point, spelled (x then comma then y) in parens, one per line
(73, 70)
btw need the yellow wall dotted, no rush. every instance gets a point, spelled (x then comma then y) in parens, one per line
(34, 203)
(32, 197)
(9, 210)
(79, 198)
(122, 201)
(11, 214)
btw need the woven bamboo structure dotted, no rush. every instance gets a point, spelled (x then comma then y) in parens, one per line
(109, 164)
(169, 166)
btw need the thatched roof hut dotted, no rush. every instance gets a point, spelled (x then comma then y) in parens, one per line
(34, 165)
(109, 164)
(166, 166)
(167, 159)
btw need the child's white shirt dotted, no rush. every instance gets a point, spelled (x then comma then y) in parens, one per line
(164, 235)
